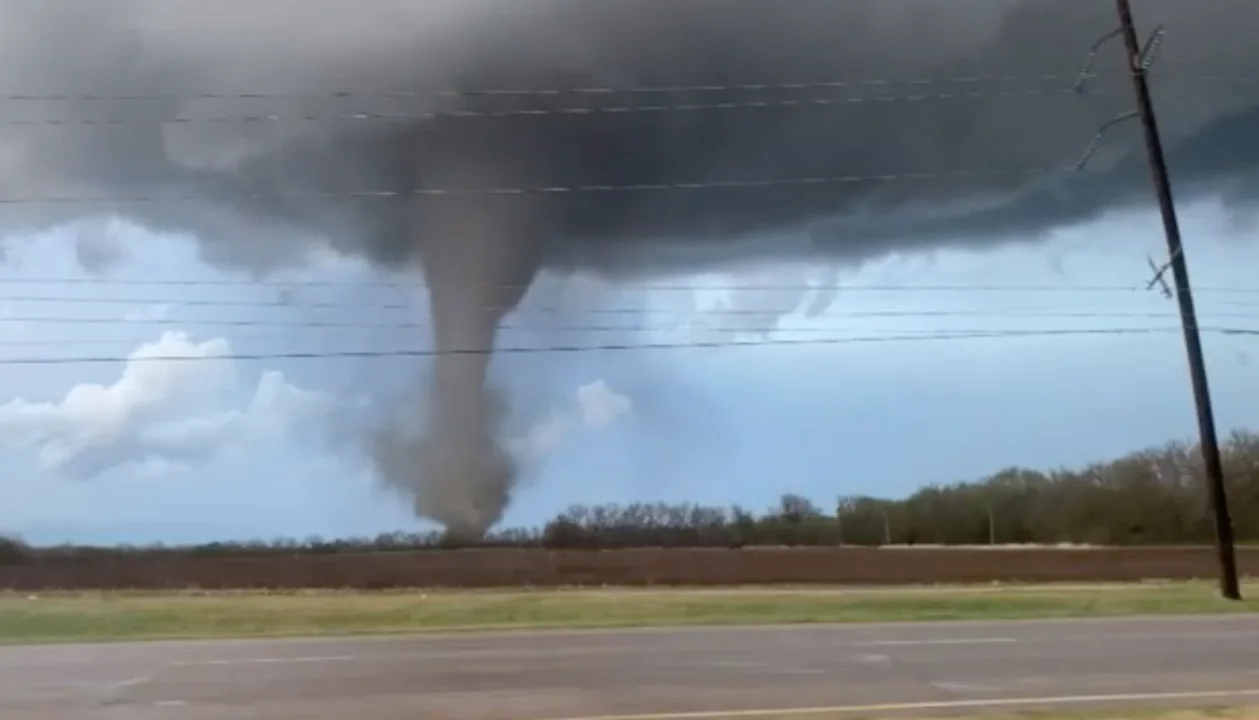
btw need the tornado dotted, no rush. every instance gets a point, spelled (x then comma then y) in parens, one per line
(478, 257)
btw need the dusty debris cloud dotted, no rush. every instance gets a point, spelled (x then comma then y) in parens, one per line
(273, 182)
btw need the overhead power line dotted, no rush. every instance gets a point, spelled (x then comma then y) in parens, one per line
(424, 325)
(417, 284)
(407, 94)
(568, 349)
(652, 287)
(736, 184)
(414, 94)
(743, 313)
(822, 334)
(415, 115)
(358, 306)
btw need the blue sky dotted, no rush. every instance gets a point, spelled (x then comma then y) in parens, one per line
(259, 448)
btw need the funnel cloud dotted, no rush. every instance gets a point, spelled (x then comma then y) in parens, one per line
(181, 154)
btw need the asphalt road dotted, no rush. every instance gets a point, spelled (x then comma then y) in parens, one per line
(855, 669)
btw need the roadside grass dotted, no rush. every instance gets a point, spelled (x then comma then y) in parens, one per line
(1215, 712)
(106, 616)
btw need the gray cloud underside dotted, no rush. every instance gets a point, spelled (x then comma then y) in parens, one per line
(182, 48)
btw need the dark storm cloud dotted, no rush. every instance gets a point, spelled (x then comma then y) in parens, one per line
(182, 48)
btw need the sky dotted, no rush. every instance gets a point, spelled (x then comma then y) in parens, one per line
(101, 445)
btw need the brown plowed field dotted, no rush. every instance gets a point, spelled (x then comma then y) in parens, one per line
(685, 566)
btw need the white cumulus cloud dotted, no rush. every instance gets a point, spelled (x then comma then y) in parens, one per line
(595, 406)
(170, 407)
(600, 405)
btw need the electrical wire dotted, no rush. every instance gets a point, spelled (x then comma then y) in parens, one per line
(1244, 310)
(297, 285)
(569, 349)
(575, 111)
(1069, 81)
(643, 287)
(287, 291)
(430, 115)
(732, 313)
(420, 192)
(823, 336)
(690, 330)
(294, 304)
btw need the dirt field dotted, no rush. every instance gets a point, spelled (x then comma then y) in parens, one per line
(645, 567)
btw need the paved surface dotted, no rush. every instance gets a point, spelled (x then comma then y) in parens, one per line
(923, 668)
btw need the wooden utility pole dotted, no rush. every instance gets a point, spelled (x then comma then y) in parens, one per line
(1136, 66)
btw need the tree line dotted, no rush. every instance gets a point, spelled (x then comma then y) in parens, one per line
(1152, 497)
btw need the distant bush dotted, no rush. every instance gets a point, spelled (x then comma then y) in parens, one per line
(13, 550)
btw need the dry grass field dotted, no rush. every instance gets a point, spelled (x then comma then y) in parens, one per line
(99, 616)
